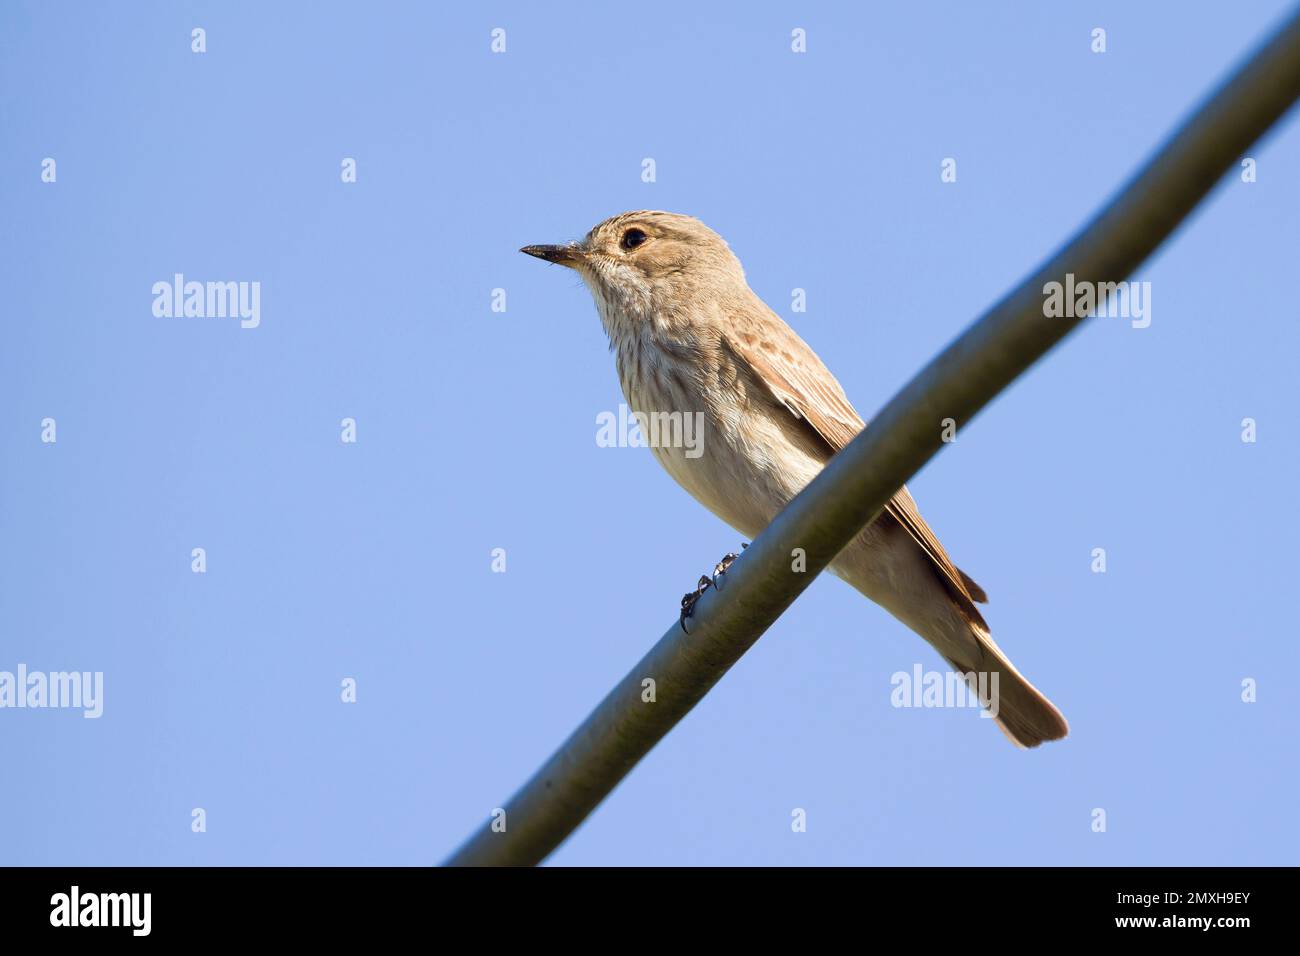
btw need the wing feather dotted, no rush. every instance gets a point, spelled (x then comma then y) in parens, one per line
(799, 380)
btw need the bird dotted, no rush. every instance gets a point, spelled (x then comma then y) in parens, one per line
(688, 335)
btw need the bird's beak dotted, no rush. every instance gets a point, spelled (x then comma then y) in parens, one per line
(569, 255)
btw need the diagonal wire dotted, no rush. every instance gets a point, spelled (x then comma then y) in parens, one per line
(855, 485)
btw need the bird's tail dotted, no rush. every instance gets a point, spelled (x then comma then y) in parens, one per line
(946, 616)
(1025, 715)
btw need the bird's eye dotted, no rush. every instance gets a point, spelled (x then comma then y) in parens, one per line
(633, 238)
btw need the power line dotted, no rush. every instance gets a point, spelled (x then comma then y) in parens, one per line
(856, 484)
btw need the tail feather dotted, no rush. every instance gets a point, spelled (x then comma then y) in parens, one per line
(904, 582)
(1021, 710)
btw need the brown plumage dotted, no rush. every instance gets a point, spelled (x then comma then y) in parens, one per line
(690, 336)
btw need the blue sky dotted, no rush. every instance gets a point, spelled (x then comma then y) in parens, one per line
(476, 430)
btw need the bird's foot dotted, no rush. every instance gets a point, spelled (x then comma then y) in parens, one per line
(727, 560)
(690, 597)
(706, 582)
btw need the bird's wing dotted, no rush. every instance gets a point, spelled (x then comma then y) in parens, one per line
(799, 380)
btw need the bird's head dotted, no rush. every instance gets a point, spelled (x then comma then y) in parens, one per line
(649, 261)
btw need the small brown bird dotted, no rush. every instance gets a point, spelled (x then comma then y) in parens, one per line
(690, 336)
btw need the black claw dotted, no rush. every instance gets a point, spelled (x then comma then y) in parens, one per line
(722, 566)
(725, 564)
(706, 582)
(689, 599)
